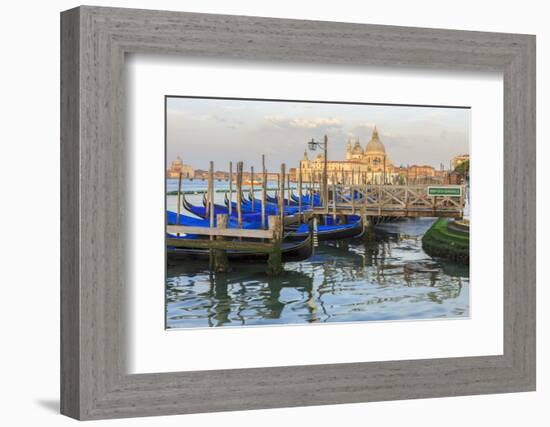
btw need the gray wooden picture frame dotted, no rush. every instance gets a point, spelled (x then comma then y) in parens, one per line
(94, 41)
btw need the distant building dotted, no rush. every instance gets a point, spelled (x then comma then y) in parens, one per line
(454, 178)
(371, 164)
(457, 160)
(221, 176)
(293, 172)
(422, 171)
(178, 167)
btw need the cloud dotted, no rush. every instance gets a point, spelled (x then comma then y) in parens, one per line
(366, 125)
(234, 107)
(366, 128)
(304, 123)
(188, 116)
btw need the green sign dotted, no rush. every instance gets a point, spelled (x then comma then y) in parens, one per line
(448, 191)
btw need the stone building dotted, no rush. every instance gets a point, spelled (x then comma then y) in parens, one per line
(177, 166)
(423, 171)
(370, 164)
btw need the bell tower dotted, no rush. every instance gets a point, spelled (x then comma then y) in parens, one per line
(348, 150)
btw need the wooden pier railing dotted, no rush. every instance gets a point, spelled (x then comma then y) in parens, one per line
(395, 200)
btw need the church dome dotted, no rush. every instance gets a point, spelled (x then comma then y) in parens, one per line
(375, 145)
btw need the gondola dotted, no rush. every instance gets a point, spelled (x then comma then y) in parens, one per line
(330, 231)
(250, 198)
(186, 220)
(271, 199)
(292, 208)
(295, 198)
(290, 201)
(290, 251)
(275, 200)
(202, 211)
(306, 199)
(249, 207)
(247, 216)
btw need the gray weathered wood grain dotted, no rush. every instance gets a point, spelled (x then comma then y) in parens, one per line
(94, 272)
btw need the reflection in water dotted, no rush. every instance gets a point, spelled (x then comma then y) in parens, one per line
(346, 281)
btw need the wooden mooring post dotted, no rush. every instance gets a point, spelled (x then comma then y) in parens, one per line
(310, 188)
(275, 259)
(230, 187)
(252, 186)
(334, 198)
(368, 229)
(239, 194)
(380, 196)
(363, 210)
(299, 194)
(211, 194)
(325, 189)
(179, 200)
(288, 189)
(281, 198)
(352, 186)
(221, 264)
(264, 190)
(210, 203)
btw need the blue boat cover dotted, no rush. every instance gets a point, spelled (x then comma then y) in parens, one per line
(303, 228)
(198, 222)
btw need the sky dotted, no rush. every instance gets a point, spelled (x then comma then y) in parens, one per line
(200, 130)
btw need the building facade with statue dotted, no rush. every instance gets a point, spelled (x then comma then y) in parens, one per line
(177, 166)
(371, 164)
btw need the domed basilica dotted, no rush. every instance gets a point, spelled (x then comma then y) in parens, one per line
(370, 165)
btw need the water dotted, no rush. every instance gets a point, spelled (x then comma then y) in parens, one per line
(200, 185)
(345, 281)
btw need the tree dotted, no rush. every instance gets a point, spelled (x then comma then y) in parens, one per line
(464, 169)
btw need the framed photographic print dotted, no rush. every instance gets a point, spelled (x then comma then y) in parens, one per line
(350, 221)
(262, 213)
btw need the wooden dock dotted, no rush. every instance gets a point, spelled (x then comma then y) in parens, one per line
(263, 241)
(222, 239)
(347, 194)
(394, 200)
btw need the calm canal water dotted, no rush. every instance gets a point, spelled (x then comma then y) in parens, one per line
(346, 281)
